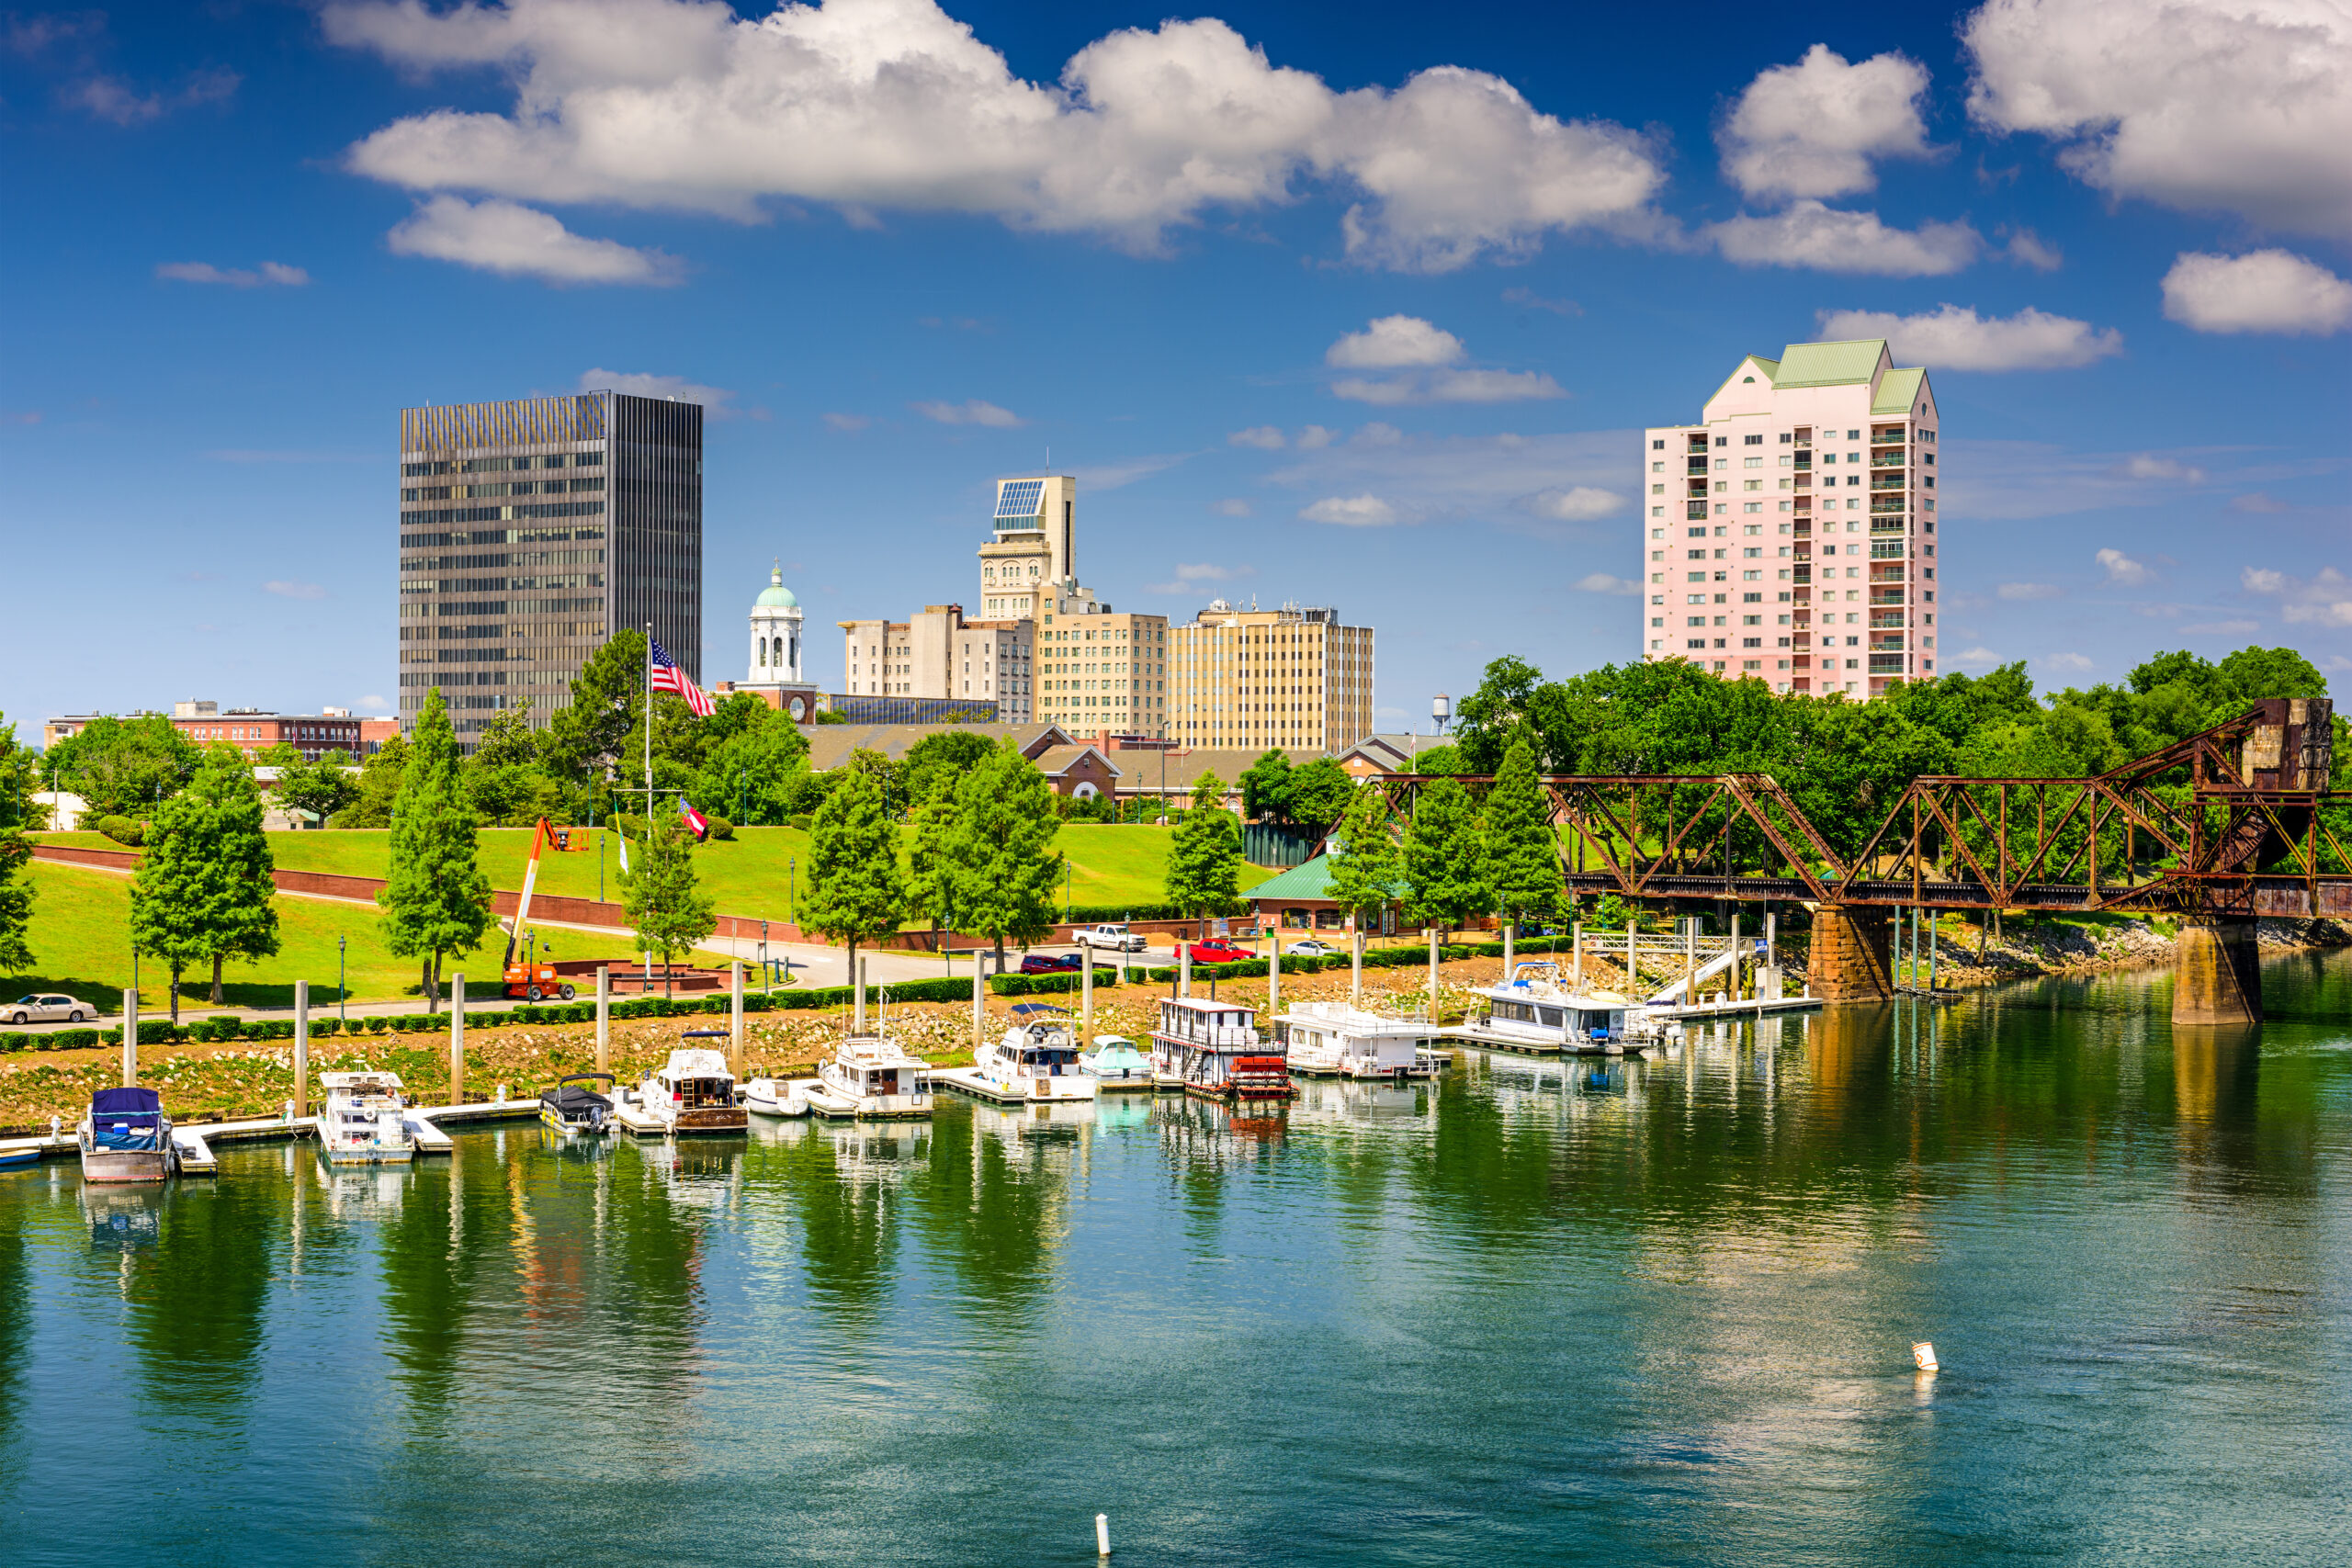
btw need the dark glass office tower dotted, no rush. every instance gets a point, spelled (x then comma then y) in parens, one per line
(530, 533)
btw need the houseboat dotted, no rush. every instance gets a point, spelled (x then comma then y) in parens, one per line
(1532, 1011)
(691, 1095)
(868, 1076)
(127, 1137)
(1036, 1061)
(574, 1107)
(365, 1120)
(1211, 1048)
(1332, 1040)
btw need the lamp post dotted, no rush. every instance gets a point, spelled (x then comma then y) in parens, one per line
(791, 901)
(341, 992)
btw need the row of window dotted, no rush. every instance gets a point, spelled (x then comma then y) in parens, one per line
(518, 487)
(503, 465)
(454, 515)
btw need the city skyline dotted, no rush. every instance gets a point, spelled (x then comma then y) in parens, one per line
(1279, 361)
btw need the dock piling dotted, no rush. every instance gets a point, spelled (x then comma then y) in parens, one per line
(1102, 1535)
(129, 1037)
(735, 1026)
(1576, 943)
(604, 1017)
(1510, 930)
(1433, 935)
(1355, 947)
(1274, 970)
(302, 1048)
(1086, 996)
(457, 1039)
(980, 968)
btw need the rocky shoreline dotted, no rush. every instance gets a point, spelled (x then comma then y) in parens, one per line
(2030, 950)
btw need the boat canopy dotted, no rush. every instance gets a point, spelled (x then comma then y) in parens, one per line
(126, 1104)
(696, 1064)
(573, 1098)
(1022, 1009)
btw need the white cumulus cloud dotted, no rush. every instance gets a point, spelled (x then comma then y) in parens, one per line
(1601, 583)
(2263, 291)
(1393, 342)
(1420, 364)
(1813, 127)
(1354, 512)
(1315, 436)
(2123, 569)
(2323, 600)
(636, 385)
(520, 242)
(1952, 338)
(1578, 504)
(1265, 438)
(973, 411)
(2072, 663)
(1827, 239)
(2229, 105)
(269, 273)
(893, 105)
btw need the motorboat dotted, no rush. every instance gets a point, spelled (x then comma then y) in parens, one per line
(365, 1120)
(775, 1097)
(1334, 1039)
(869, 1076)
(127, 1137)
(692, 1093)
(575, 1106)
(1531, 1010)
(1036, 1060)
(1212, 1048)
(1116, 1062)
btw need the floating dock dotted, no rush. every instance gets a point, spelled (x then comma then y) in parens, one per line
(968, 1081)
(1743, 1007)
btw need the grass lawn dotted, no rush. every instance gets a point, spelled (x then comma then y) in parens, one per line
(754, 875)
(80, 946)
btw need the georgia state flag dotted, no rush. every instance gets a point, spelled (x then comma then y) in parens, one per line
(694, 819)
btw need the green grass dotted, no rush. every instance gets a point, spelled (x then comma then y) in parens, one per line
(754, 875)
(80, 946)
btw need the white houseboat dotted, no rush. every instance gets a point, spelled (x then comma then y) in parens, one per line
(1334, 1039)
(1211, 1048)
(1035, 1061)
(691, 1094)
(1533, 1012)
(365, 1120)
(127, 1137)
(868, 1076)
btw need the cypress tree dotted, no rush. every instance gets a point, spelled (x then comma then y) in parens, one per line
(16, 780)
(854, 890)
(1366, 871)
(1205, 862)
(1004, 841)
(1445, 857)
(436, 898)
(935, 880)
(1524, 856)
(204, 889)
(664, 905)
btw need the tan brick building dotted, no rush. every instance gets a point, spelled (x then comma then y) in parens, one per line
(1293, 677)
(940, 654)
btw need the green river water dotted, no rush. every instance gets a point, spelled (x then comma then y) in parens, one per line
(1652, 1311)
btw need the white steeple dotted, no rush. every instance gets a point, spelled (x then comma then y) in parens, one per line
(776, 635)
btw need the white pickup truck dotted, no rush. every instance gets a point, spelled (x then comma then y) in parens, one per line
(1114, 937)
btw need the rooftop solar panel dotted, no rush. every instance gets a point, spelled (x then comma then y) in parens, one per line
(1021, 498)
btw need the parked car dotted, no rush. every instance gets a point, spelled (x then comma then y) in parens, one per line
(1050, 964)
(1310, 948)
(50, 1007)
(1218, 951)
(1113, 937)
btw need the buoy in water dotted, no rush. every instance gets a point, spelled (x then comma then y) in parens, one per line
(1923, 1353)
(1102, 1535)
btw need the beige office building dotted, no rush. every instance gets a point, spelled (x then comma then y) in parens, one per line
(1034, 555)
(1291, 677)
(1099, 670)
(940, 654)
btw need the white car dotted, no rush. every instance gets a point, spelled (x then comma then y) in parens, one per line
(1311, 949)
(1113, 937)
(50, 1009)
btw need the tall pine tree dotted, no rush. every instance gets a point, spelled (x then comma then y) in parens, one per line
(16, 780)
(1004, 841)
(435, 899)
(934, 855)
(855, 893)
(1367, 873)
(1205, 862)
(204, 890)
(1445, 857)
(1523, 852)
(666, 907)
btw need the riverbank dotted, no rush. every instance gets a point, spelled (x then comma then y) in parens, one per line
(2030, 947)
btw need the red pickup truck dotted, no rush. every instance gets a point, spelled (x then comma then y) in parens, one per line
(1216, 951)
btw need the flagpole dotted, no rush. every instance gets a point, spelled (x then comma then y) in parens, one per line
(649, 723)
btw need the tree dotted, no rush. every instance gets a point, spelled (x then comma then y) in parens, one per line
(855, 891)
(17, 779)
(936, 857)
(608, 701)
(323, 787)
(1524, 860)
(1265, 787)
(1004, 841)
(204, 890)
(123, 767)
(1445, 857)
(1366, 871)
(1203, 869)
(379, 787)
(1319, 793)
(1447, 759)
(667, 911)
(436, 898)
(952, 753)
(755, 775)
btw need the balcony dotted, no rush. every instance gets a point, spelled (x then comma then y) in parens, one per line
(1886, 549)
(1886, 482)
(1883, 620)
(1803, 573)
(1886, 664)
(1695, 466)
(1695, 510)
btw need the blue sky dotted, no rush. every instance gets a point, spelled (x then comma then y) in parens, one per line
(906, 251)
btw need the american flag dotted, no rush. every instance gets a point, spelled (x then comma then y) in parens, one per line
(668, 677)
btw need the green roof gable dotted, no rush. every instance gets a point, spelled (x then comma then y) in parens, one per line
(1771, 368)
(1312, 880)
(1831, 364)
(1897, 391)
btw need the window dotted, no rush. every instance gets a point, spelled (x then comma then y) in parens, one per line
(1723, 440)
(1657, 446)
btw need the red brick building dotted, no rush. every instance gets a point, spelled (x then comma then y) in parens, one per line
(251, 730)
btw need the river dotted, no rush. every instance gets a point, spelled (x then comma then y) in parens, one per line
(1650, 1312)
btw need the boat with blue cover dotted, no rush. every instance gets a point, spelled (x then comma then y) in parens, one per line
(127, 1137)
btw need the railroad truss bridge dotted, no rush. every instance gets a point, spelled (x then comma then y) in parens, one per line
(2215, 831)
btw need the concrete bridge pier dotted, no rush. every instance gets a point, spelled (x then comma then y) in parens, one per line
(1853, 955)
(2216, 973)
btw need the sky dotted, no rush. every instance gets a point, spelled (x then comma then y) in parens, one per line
(1362, 308)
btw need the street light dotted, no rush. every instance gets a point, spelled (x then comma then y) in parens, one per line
(342, 992)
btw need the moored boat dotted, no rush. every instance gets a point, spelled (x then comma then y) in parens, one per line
(1532, 1011)
(1036, 1060)
(127, 1137)
(574, 1106)
(1114, 1063)
(1334, 1039)
(365, 1120)
(1213, 1049)
(871, 1076)
(692, 1093)
(775, 1097)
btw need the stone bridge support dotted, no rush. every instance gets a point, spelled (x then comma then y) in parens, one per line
(2216, 973)
(1853, 955)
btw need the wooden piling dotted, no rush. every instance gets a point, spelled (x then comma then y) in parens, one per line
(457, 1039)
(301, 1049)
(604, 1017)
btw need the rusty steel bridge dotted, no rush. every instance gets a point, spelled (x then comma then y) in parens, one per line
(2227, 824)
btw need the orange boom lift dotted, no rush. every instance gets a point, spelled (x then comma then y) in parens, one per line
(530, 980)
